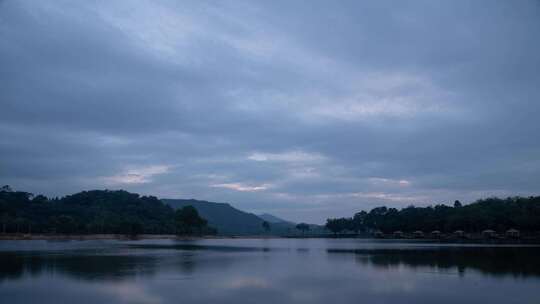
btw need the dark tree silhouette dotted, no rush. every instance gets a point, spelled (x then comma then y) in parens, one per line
(340, 225)
(87, 212)
(64, 224)
(491, 213)
(303, 227)
(188, 221)
(266, 226)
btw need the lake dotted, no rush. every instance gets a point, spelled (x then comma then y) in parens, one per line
(266, 271)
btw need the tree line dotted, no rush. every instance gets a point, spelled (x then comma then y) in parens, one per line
(522, 213)
(96, 212)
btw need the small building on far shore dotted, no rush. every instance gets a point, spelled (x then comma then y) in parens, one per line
(398, 234)
(512, 233)
(378, 234)
(459, 233)
(488, 233)
(435, 234)
(418, 234)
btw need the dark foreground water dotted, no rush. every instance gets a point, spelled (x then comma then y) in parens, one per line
(266, 271)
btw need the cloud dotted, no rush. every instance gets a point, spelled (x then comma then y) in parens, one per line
(242, 187)
(291, 156)
(388, 181)
(139, 175)
(392, 197)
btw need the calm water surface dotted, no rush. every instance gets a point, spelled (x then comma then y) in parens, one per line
(266, 271)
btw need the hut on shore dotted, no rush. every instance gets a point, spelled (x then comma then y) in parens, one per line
(512, 233)
(488, 233)
(378, 234)
(418, 234)
(459, 233)
(435, 234)
(398, 234)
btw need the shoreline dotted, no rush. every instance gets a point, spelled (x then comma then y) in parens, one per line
(89, 237)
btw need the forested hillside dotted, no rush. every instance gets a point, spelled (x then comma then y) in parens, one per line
(231, 221)
(521, 213)
(97, 211)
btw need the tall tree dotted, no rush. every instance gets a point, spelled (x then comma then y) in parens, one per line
(188, 221)
(303, 227)
(266, 226)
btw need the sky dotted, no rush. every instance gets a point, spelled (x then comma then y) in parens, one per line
(302, 109)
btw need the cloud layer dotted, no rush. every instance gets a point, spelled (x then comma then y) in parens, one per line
(304, 110)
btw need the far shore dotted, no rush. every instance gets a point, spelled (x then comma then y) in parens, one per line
(85, 237)
(88, 237)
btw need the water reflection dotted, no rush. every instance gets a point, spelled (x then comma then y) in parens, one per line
(496, 261)
(120, 262)
(15, 265)
(265, 271)
(195, 247)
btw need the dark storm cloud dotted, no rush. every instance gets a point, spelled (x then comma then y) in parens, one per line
(304, 109)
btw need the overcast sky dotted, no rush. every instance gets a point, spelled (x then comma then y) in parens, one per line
(302, 109)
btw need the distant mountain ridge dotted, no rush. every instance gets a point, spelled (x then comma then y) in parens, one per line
(272, 219)
(227, 219)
